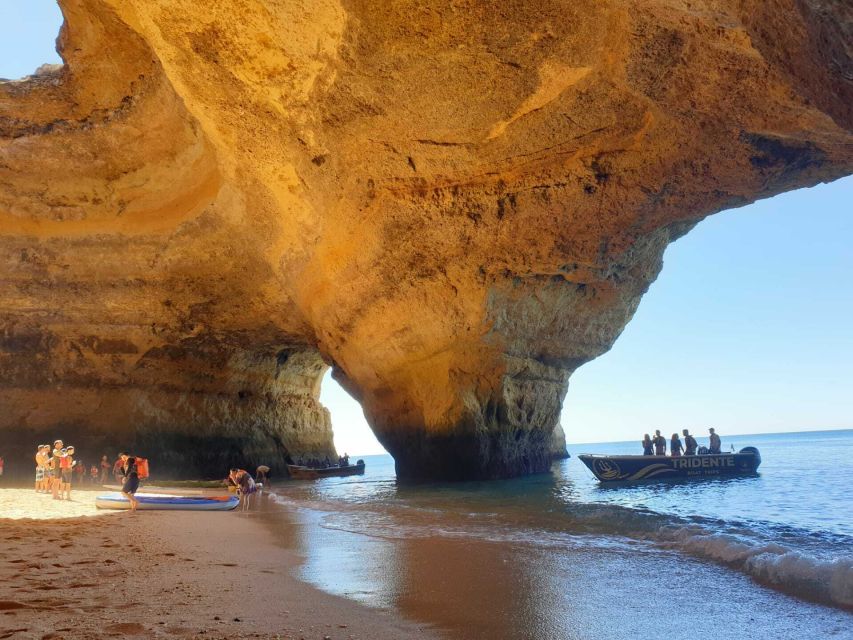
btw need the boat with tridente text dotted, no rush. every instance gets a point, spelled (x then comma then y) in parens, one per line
(703, 465)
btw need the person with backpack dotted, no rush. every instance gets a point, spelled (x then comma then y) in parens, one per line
(690, 444)
(131, 479)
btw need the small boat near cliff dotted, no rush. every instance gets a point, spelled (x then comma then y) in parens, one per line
(635, 468)
(299, 472)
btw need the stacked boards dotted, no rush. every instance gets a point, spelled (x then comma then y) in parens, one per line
(168, 501)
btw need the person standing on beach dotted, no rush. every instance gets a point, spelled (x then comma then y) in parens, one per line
(105, 469)
(41, 468)
(66, 465)
(715, 446)
(56, 469)
(689, 444)
(118, 467)
(80, 470)
(131, 479)
(660, 444)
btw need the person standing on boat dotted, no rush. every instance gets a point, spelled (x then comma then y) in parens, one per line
(647, 445)
(689, 444)
(660, 444)
(675, 447)
(715, 446)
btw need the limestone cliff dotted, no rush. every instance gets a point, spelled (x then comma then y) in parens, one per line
(453, 203)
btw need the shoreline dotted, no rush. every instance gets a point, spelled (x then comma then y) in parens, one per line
(227, 575)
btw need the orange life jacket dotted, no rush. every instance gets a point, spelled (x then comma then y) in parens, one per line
(142, 468)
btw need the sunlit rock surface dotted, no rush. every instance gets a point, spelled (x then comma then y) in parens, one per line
(454, 204)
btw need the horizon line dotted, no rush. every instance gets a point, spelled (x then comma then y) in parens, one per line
(764, 433)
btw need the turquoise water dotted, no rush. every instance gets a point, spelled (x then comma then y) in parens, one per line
(779, 542)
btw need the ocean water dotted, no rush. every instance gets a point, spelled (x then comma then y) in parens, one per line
(559, 555)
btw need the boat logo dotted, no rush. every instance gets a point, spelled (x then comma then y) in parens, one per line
(607, 469)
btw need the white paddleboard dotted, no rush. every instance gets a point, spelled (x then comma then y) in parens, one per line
(167, 501)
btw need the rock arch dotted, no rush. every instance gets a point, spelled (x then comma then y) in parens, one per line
(456, 207)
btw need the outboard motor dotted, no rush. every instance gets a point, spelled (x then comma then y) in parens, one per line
(754, 452)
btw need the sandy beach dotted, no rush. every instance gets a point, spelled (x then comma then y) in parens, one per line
(69, 571)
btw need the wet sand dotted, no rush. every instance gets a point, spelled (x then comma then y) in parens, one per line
(477, 589)
(165, 574)
(236, 575)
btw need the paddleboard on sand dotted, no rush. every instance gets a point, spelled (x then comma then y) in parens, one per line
(166, 501)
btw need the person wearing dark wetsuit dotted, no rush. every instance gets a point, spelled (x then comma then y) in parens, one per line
(689, 444)
(647, 445)
(131, 480)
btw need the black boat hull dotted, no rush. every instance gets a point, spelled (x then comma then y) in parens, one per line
(298, 472)
(636, 468)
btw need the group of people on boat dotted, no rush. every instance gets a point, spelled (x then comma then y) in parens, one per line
(657, 446)
(325, 463)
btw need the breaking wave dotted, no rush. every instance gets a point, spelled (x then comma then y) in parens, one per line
(806, 564)
(826, 580)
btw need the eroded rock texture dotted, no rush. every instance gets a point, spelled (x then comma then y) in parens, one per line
(454, 203)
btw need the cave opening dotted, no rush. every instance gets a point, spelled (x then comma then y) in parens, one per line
(352, 434)
(28, 33)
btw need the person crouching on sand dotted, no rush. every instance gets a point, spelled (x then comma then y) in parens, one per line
(131, 479)
(245, 486)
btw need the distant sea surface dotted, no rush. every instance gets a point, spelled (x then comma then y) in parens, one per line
(560, 556)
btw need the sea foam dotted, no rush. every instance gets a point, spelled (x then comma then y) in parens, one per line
(829, 581)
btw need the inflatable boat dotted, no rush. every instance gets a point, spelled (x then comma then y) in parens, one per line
(634, 468)
(166, 501)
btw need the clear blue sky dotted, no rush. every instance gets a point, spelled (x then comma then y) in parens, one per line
(28, 30)
(747, 329)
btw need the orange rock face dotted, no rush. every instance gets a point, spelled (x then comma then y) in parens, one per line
(453, 203)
